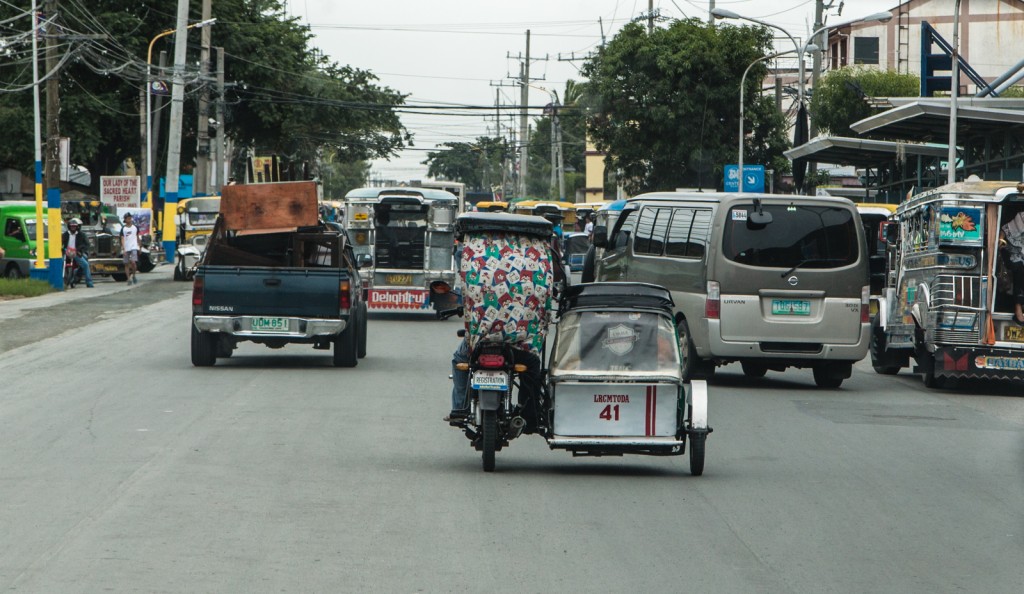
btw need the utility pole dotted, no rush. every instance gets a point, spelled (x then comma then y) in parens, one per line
(218, 179)
(202, 175)
(52, 168)
(561, 155)
(650, 16)
(954, 92)
(174, 132)
(819, 11)
(524, 130)
(711, 8)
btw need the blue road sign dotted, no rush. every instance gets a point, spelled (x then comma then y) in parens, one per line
(753, 178)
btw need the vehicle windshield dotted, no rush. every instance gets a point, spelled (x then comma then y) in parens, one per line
(30, 228)
(798, 236)
(402, 215)
(613, 342)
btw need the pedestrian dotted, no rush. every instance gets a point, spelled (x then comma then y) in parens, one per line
(130, 246)
(589, 227)
(76, 247)
(1011, 237)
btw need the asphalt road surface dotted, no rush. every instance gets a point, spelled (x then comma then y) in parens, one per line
(123, 468)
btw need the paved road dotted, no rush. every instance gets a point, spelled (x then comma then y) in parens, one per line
(126, 469)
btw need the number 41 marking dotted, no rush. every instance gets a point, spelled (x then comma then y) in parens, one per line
(610, 413)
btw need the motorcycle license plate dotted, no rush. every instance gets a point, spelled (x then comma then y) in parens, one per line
(489, 380)
(270, 324)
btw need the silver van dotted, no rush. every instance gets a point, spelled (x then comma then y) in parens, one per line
(769, 281)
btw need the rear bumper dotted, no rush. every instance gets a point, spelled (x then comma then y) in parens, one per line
(242, 327)
(735, 350)
(980, 363)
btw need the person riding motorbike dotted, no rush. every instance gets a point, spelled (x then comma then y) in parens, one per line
(76, 246)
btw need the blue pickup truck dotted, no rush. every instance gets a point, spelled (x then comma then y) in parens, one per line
(275, 288)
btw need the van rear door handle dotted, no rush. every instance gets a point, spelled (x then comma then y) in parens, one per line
(272, 282)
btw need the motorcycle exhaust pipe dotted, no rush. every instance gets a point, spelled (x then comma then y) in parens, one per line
(515, 427)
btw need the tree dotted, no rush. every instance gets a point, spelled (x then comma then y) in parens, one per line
(572, 120)
(285, 99)
(476, 164)
(339, 178)
(664, 106)
(840, 96)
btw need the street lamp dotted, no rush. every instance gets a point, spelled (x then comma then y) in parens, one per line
(743, 81)
(149, 117)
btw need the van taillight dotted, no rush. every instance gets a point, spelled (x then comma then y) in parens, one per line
(713, 302)
(197, 293)
(345, 299)
(865, 305)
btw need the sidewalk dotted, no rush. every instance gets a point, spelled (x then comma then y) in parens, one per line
(15, 308)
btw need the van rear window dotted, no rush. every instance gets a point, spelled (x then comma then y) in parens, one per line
(808, 236)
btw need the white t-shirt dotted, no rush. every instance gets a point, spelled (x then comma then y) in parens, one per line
(589, 228)
(71, 240)
(130, 236)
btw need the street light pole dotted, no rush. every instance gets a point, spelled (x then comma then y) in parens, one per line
(149, 112)
(743, 81)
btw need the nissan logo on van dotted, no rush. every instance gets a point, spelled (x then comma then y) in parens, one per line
(793, 281)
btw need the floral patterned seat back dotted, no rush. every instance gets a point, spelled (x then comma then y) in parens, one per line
(506, 289)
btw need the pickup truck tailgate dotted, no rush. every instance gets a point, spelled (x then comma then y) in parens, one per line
(307, 292)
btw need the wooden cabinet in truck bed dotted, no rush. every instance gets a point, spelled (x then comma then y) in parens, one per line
(277, 285)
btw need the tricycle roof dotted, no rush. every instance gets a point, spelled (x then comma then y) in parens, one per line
(496, 222)
(629, 295)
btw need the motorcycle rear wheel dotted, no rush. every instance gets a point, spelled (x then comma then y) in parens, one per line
(489, 437)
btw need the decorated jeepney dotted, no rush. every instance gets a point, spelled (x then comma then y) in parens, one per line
(949, 298)
(404, 238)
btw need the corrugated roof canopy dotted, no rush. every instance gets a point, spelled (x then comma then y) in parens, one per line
(861, 152)
(928, 121)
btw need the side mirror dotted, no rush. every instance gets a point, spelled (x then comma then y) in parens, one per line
(364, 260)
(890, 233)
(600, 237)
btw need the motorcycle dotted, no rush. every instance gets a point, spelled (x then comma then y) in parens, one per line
(73, 273)
(507, 284)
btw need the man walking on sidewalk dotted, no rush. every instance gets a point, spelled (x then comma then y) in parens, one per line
(130, 245)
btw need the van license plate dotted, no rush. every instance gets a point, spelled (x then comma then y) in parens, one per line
(270, 324)
(791, 307)
(398, 279)
(1014, 333)
(489, 380)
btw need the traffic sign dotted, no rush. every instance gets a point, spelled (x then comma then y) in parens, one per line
(753, 178)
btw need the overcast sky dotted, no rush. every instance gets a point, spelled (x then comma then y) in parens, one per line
(449, 52)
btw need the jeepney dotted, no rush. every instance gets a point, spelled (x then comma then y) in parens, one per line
(948, 301)
(404, 240)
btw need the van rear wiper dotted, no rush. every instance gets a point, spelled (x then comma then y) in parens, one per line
(809, 261)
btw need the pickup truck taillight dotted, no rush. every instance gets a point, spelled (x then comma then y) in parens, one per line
(865, 305)
(197, 293)
(345, 297)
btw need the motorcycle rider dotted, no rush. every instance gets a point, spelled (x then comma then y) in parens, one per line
(78, 244)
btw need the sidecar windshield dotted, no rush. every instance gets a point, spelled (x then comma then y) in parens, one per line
(615, 342)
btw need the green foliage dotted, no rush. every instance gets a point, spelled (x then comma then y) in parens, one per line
(665, 106)
(1013, 92)
(572, 120)
(476, 164)
(285, 97)
(840, 97)
(23, 287)
(340, 178)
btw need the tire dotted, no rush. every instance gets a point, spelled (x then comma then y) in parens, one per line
(824, 379)
(69, 278)
(697, 443)
(363, 317)
(881, 361)
(119, 277)
(12, 272)
(146, 264)
(691, 365)
(346, 346)
(489, 438)
(178, 274)
(589, 272)
(926, 362)
(204, 348)
(753, 369)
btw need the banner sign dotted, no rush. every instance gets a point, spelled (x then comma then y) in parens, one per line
(399, 299)
(120, 191)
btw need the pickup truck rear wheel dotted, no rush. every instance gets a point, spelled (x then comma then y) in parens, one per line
(346, 346)
(204, 348)
(363, 315)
